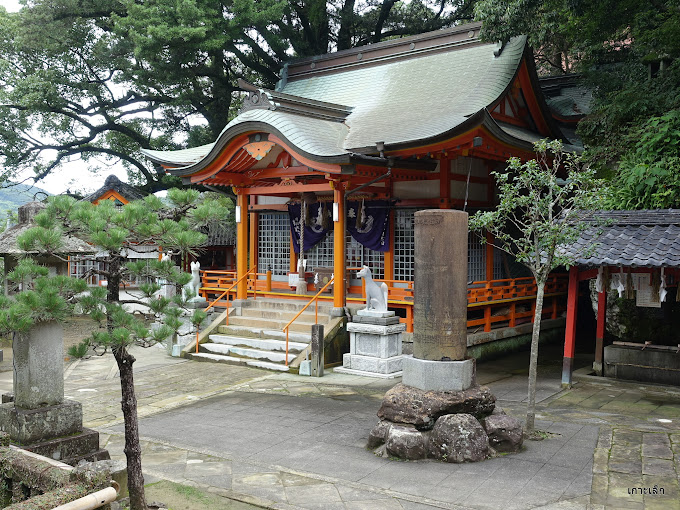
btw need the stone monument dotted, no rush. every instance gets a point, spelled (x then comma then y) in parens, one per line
(36, 417)
(438, 410)
(375, 343)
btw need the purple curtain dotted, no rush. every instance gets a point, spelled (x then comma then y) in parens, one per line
(314, 230)
(373, 229)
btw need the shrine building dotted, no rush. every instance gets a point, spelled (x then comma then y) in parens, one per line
(349, 145)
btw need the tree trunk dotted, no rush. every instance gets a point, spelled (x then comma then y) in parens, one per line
(133, 450)
(533, 360)
(128, 403)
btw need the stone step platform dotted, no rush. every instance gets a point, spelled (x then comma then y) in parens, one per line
(290, 305)
(257, 332)
(256, 338)
(275, 356)
(233, 360)
(268, 344)
(262, 323)
(284, 315)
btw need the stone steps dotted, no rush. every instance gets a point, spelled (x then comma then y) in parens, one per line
(276, 356)
(268, 344)
(255, 332)
(232, 360)
(255, 337)
(261, 323)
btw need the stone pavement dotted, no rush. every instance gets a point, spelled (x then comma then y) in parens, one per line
(284, 441)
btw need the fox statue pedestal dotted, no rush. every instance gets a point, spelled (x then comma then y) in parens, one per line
(374, 336)
(374, 345)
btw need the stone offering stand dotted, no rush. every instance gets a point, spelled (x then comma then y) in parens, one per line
(36, 417)
(374, 345)
(439, 411)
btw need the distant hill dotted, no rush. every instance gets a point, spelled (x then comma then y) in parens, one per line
(13, 197)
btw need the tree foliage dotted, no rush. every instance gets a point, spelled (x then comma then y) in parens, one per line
(117, 233)
(43, 298)
(538, 212)
(649, 174)
(99, 80)
(629, 54)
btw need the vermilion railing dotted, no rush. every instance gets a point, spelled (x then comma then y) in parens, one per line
(494, 303)
(315, 299)
(509, 301)
(226, 293)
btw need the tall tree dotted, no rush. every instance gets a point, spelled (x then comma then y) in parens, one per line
(629, 54)
(536, 215)
(116, 232)
(91, 80)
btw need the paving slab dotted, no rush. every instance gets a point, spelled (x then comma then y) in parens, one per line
(290, 442)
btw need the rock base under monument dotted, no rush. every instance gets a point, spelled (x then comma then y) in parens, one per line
(452, 426)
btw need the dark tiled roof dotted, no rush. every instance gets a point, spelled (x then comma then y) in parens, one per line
(8, 238)
(122, 188)
(649, 238)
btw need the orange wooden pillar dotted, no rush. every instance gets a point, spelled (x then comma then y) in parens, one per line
(599, 333)
(241, 244)
(570, 331)
(253, 250)
(339, 248)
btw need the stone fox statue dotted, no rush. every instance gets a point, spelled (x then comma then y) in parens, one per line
(193, 286)
(376, 296)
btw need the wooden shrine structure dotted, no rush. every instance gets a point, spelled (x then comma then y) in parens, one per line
(637, 254)
(407, 124)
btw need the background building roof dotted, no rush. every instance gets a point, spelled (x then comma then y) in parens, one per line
(8, 238)
(113, 183)
(649, 238)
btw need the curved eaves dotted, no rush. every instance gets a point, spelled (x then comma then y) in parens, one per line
(315, 139)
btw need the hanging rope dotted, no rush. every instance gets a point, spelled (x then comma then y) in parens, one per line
(467, 185)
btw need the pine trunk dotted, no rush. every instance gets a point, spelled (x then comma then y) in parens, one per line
(125, 360)
(533, 360)
(133, 450)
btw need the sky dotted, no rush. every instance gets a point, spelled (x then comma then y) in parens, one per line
(76, 174)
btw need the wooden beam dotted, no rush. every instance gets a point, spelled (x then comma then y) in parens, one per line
(272, 173)
(253, 230)
(570, 331)
(292, 266)
(268, 207)
(290, 188)
(445, 183)
(389, 254)
(323, 167)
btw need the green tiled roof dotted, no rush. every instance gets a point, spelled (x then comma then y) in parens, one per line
(417, 98)
(406, 98)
